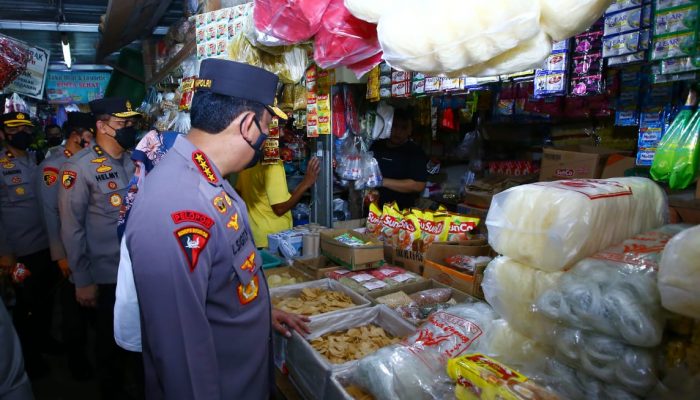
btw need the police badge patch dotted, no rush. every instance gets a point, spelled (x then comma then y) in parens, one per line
(192, 241)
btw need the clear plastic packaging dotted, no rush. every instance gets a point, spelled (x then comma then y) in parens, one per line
(614, 293)
(552, 225)
(432, 296)
(415, 369)
(607, 359)
(14, 56)
(679, 274)
(450, 35)
(562, 19)
(573, 384)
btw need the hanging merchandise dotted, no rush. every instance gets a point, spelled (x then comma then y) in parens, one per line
(448, 122)
(675, 31)
(318, 101)
(343, 39)
(291, 22)
(340, 128)
(679, 274)
(189, 75)
(384, 121)
(182, 123)
(16, 103)
(271, 147)
(14, 56)
(552, 78)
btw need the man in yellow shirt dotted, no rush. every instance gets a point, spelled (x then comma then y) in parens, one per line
(264, 190)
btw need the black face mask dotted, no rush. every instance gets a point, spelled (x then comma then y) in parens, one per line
(257, 146)
(54, 141)
(126, 137)
(21, 140)
(84, 143)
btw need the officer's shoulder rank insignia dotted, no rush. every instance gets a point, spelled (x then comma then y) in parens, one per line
(98, 160)
(202, 162)
(248, 293)
(103, 169)
(50, 176)
(68, 178)
(192, 241)
(233, 222)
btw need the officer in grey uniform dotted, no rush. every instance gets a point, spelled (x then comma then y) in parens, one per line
(79, 130)
(205, 307)
(23, 239)
(14, 384)
(93, 185)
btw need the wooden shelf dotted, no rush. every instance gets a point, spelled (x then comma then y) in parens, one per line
(174, 62)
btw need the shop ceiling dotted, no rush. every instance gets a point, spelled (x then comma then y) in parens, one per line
(43, 22)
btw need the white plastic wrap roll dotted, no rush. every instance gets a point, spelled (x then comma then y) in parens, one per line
(679, 274)
(552, 225)
(447, 36)
(511, 289)
(515, 350)
(528, 55)
(370, 10)
(562, 19)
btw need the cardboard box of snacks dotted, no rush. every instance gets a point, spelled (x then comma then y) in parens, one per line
(351, 257)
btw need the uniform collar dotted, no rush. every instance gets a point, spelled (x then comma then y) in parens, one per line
(67, 153)
(199, 161)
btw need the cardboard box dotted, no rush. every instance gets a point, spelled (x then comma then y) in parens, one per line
(434, 266)
(350, 224)
(316, 268)
(573, 162)
(617, 165)
(353, 258)
(408, 260)
(478, 199)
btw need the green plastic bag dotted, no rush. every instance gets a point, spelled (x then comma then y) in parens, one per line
(664, 159)
(685, 165)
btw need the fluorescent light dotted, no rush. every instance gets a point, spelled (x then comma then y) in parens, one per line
(66, 52)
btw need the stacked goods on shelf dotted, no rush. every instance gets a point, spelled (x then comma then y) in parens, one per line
(653, 122)
(551, 79)
(627, 33)
(546, 228)
(675, 43)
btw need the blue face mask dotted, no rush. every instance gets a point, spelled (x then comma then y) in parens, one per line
(257, 146)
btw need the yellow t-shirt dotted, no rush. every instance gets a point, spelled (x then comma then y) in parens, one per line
(260, 187)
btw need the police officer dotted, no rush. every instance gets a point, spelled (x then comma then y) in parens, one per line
(92, 188)
(79, 130)
(205, 306)
(23, 239)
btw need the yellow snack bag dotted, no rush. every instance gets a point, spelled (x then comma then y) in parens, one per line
(481, 377)
(434, 227)
(374, 219)
(461, 227)
(391, 223)
(410, 233)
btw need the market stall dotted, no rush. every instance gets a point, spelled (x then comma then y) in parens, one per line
(537, 238)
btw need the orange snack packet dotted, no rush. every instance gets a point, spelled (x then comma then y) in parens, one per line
(390, 223)
(410, 233)
(461, 227)
(374, 220)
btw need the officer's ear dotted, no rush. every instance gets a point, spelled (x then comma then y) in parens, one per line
(247, 125)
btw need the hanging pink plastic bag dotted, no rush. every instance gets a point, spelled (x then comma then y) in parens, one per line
(364, 66)
(343, 39)
(292, 21)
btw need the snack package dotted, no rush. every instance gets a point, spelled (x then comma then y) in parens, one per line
(410, 233)
(434, 227)
(481, 377)
(461, 227)
(467, 263)
(391, 223)
(374, 219)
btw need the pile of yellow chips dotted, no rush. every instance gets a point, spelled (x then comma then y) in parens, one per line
(314, 301)
(353, 344)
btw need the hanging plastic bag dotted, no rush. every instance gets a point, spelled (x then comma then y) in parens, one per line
(373, 173)
(291, 21)
(16, 103)
(242, 50)
(338, 113)
(448, 121)
(665, 157)
(14, 56)
(383, 122)
(343, 39)
(685, 166)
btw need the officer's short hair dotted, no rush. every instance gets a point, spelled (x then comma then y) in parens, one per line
(212, 112)
(52, 126)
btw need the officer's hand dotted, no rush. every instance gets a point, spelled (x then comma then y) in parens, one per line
(86, 296)
(282, 320)
(7, 261)
(312, 171)
(63, 266)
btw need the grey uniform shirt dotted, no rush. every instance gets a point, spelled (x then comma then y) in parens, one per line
(205, 306)
(93, 186)
(20, 214)
(47, 191)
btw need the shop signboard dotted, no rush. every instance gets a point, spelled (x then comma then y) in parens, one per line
(67, 87)
(31, 82)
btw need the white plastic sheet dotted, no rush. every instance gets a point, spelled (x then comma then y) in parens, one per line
(562, 19)
(552, 225)
(679, 274)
